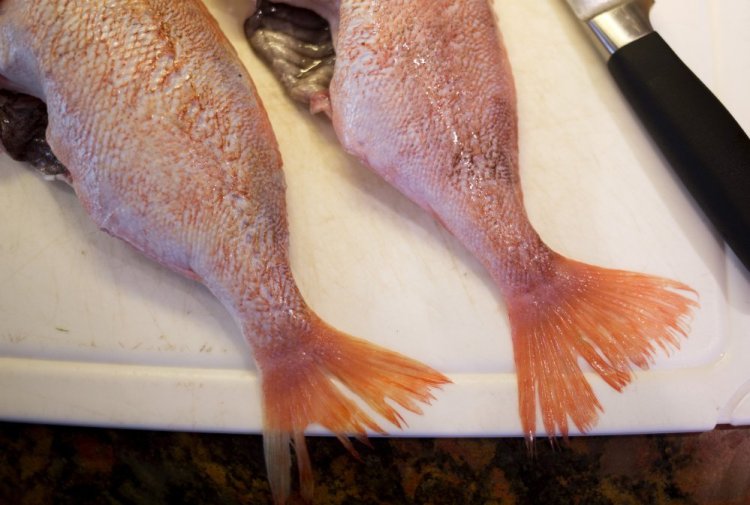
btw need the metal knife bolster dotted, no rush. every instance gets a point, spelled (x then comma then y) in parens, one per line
(619, 26)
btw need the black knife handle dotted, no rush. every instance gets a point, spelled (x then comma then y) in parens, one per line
(705, 145)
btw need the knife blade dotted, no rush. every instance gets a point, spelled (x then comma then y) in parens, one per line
(698, 136)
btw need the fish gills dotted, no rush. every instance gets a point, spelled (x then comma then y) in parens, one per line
(423, 93)
(168, 147)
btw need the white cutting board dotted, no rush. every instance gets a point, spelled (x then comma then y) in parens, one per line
(93, 333)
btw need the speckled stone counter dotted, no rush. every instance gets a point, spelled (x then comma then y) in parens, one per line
(71, 465)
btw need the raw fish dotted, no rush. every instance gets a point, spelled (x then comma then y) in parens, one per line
(168, 147)
(422, 92)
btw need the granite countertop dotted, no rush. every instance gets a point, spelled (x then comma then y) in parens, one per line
(45, 464)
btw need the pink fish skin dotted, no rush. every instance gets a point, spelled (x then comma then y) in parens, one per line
(423, 93)
(169, 148)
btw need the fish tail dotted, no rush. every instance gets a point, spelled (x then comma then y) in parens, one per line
(613, 319)
(298, 391)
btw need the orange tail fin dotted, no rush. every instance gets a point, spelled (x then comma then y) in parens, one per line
(613, 319)
(298, 391)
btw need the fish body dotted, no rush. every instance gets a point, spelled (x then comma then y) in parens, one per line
(168, 147)
(423, 93)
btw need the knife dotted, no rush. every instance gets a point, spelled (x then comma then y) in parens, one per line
(704, 144)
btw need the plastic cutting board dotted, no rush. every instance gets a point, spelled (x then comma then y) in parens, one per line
(93, 333)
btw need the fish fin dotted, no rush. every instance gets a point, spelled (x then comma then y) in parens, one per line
(298, 391)
(321, 102)
(613, 319)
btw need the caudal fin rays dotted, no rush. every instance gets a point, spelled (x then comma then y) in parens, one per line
(614, 320)
(299, 391)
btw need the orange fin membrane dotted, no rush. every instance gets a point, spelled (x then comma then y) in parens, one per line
(298, 391)
(613, 319)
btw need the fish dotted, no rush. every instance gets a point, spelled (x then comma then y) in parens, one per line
(168, 147)
(422, 92)
(298, 46)
(23, 124)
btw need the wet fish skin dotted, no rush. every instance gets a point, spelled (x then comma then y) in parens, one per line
(423, 93)
(168, 147)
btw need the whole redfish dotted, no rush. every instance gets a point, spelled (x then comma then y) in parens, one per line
(168, 147)
(422, 92)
